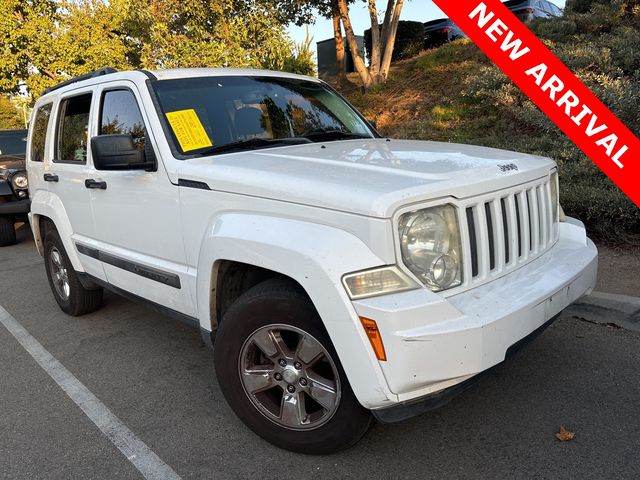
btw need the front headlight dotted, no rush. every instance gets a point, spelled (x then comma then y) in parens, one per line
(20, 181)
(431, 247)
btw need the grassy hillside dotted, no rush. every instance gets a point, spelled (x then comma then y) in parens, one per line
(455, 94)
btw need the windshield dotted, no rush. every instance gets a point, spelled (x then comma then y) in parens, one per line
(208, 115)
(14, 143)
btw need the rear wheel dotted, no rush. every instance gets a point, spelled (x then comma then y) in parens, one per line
(65, 285)
(281, 375)
(7, 230)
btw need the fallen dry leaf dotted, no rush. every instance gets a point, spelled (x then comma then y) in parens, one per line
(565, 435)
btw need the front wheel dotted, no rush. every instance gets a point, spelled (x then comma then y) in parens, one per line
(7, 230)
(65, 285)
(281, 375)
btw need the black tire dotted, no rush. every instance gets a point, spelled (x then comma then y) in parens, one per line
(80, 300)
(7, 230)
(281, 302)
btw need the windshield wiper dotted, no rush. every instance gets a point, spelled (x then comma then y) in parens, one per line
(327, 135)
(253, 143)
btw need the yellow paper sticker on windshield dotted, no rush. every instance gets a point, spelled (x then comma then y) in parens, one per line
(188, 130)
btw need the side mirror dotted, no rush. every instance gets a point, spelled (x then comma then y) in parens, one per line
(118, 152)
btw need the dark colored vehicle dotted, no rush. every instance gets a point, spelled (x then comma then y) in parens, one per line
(438, 32)
(14, 186)
(529, 10)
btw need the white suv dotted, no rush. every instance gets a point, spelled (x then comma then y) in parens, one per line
(341, 275)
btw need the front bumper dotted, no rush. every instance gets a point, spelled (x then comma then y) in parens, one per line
(16, 207)
(405, 410)
(435, 343)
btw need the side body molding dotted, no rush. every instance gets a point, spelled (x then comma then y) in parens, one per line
(316, 256)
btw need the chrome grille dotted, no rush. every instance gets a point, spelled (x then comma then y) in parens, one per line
(506, 229)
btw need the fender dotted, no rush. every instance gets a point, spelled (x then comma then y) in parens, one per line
(5, 188)
(47, 204)
(316, 256)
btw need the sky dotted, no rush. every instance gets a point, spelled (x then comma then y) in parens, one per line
(417, 10)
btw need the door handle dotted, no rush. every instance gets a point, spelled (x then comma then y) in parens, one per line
(91, 183)
(50, 177)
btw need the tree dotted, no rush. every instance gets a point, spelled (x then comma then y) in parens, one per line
(47, 41)
(339, 41)
(10, 118)
(383, 40)
(205, 33)
(331, 9)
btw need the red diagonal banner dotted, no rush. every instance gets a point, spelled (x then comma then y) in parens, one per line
(552, 87)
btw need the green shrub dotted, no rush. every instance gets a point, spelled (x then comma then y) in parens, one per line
(300, 60)
(600, 42)
(458, 51)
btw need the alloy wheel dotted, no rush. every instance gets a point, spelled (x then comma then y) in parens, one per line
(59, 274)
(289, 377)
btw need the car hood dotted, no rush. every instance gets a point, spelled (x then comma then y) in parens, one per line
(12, 162)
(372, 177)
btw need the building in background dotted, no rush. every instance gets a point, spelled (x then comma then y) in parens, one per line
(327, 66)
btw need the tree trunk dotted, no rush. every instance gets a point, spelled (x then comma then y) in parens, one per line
(390, 40)
(339, 40)
(374, 66)
(386, 23)
(361, 68)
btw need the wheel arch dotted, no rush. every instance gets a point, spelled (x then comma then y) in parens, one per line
(230, 279)
(315, 257)
(46, 206)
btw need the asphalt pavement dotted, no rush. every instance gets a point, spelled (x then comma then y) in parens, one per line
(157, 378)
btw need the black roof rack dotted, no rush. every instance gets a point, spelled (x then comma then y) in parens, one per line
(79, 78)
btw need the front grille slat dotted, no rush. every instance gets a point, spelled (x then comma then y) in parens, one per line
(507, 230)
(491, 234)
(498, 235)
(473, 242)
(534, 220)
(514, 230)
(547, 194)
(482, 233)
(543, 208)
(523, 212)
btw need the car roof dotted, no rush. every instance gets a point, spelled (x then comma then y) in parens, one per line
(437, 22)
(105, 75)
(219, 72)
(516, 3)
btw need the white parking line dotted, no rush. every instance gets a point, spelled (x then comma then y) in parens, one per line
(134, 449)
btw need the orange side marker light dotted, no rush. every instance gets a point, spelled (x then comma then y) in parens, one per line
(375, 338)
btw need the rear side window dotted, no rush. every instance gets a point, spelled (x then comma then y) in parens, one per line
(73, 128)
(120, 114)
(39, 133)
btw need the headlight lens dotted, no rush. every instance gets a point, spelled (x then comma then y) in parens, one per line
(431, 247)
(555, 196)
(379, 281)
(20, 181)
